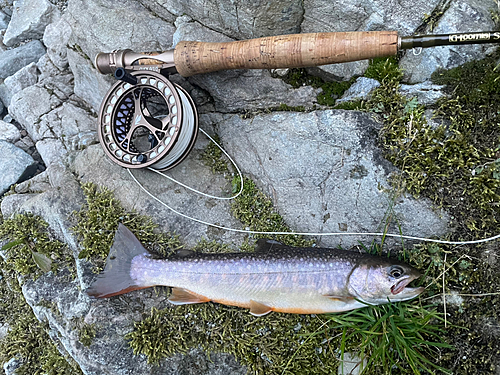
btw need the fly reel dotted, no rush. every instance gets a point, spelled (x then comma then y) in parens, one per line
(147, 121)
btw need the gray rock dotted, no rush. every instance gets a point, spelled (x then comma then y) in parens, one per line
(68, 121)
(11, 203)
(9, 132)
(29, 19)
(4, 20)
(234, 91)
(188, 29)
(325, 173)
(25, 77)
(361, 15)
(37, 184)
(237, 19)
(360, 90)
(435, 121)
(461, 17)
(89, 84)
(26, 144)
(56, 39)
(14, 59)
(426, 92)
(106, 25)
(6, 6)
(340, 72)
(4, 329)
(47, 68)
(52, 151)
(344, 15)
(351, 364)
(12, 365)
(15, 165)
(29, 105)
(60, 86)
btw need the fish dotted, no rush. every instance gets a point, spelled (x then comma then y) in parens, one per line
(275, 277)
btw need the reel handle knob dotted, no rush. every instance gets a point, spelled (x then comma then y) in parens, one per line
(122, 75)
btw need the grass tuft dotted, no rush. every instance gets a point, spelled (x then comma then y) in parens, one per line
(395, 338)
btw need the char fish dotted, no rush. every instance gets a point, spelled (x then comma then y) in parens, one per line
(274, 278)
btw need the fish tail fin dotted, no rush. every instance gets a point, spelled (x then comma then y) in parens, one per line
(116, 279)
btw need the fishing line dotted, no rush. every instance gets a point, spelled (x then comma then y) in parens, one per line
(246, 231)
(240, 175)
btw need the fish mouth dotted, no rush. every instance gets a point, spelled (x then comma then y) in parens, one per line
(401, 285)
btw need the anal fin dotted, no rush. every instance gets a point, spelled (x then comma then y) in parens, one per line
(259, 309)
(183, 297)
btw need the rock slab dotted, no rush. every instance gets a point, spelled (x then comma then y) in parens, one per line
(29, 19)
(14, 59)
(15, 166)
(325, 173)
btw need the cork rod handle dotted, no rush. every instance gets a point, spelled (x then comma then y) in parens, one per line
(284, 51)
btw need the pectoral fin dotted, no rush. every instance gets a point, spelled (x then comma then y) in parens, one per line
(183, 297)
(259, 309)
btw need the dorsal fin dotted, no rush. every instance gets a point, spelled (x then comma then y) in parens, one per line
(259, 309)
(183, 297)
(265, 244)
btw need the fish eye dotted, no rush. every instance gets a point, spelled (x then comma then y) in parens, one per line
(396, 272)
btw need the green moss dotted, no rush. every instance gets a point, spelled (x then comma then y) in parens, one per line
(86, 334)
(98, 220)
(355, 105)
(331, 91)
(264, 345)
(27, 237)
(212, 157)
(286, 108)
(384, 70)
(254, 209)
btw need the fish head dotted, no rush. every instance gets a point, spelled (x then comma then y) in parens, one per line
(379, 281)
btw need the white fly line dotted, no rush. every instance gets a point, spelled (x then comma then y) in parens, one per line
(246, 231)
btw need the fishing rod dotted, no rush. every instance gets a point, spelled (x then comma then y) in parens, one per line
(147, 121)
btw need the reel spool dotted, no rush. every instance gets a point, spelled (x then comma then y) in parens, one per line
(147, 121)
